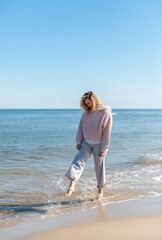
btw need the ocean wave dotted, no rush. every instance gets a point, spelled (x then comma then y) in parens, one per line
(149, 159)
(154, 158)
(158, 178)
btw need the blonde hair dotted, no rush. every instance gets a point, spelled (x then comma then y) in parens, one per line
(92, 97)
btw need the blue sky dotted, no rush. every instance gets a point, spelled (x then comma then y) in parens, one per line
(52, 52)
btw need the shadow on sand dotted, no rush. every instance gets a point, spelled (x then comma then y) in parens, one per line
(13, 208)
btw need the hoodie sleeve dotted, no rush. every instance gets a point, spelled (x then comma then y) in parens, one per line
(106, 132)
(79, 135)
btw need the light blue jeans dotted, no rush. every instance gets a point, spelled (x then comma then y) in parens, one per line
(77, 166)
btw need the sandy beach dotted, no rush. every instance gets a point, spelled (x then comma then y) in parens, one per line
(137, 219)
(132, 229)
(131, 219)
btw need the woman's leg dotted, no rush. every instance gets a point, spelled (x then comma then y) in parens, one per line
(71, 188)
(100, 193)
(77, 166)
(99, 163)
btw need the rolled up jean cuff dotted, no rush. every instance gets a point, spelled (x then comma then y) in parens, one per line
(68, 176)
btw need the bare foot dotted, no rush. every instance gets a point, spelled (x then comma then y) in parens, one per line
(69, 192)
(100, 194)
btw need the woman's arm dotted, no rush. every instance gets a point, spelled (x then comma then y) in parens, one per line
(106, 133)
(79, 135)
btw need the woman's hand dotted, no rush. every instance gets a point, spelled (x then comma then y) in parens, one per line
(78, 146)
(102, 154)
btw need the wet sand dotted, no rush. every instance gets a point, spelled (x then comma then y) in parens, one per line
(137, 219)
(145, 228)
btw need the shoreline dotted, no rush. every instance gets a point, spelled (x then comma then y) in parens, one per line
(134, 219)
(127, 220)
(107, 213)
(141, 228)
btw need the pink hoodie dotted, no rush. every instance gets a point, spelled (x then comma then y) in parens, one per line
(96, 126)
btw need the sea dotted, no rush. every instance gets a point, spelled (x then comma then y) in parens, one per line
(37, 147)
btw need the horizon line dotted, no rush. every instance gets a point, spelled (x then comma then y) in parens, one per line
(76, 108)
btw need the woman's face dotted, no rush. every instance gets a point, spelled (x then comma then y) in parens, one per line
(88, 103)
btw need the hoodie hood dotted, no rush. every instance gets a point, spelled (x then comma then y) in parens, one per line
(103, 107)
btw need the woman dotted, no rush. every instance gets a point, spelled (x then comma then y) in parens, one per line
(93, 136)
